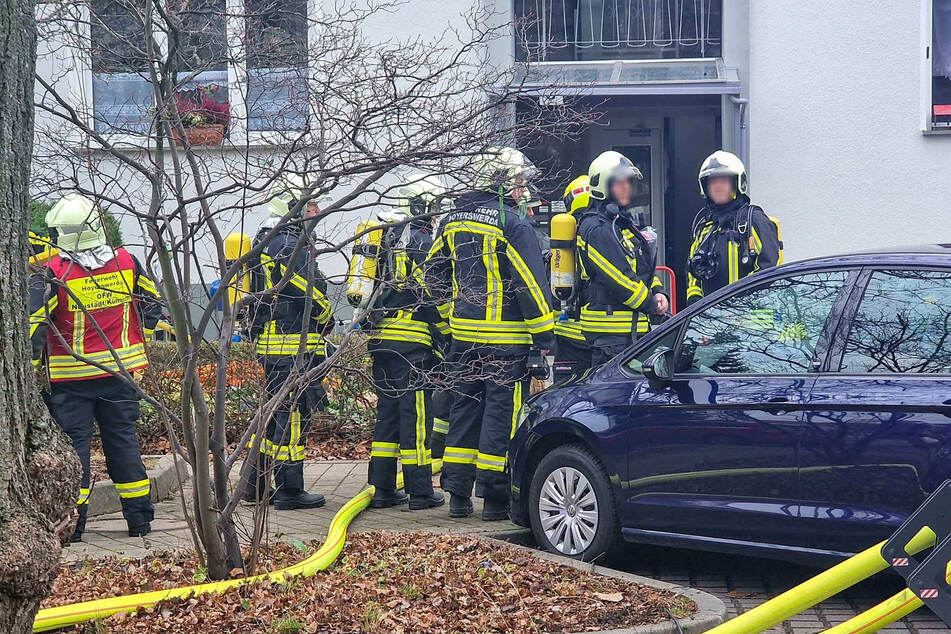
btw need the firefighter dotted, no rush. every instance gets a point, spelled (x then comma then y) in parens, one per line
(405, 333)
(288, 325)
(573, 356)
(486, 256)
(732, 237)
(92, 308)
(618, 254)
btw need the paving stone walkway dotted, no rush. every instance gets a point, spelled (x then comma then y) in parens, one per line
(106, 535)
(741, 582)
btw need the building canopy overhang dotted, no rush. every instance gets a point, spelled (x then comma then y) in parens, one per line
(702, 76)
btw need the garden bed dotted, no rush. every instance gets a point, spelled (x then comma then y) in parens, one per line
(383, 582)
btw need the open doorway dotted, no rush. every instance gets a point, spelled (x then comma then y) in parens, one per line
(667, 137)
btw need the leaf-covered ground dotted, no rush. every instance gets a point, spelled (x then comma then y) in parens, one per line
(383, 582)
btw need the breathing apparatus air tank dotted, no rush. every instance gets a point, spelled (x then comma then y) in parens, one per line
(563, 232)
(237, 245)
(364, 264)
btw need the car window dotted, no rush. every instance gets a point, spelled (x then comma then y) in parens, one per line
(902, 325)
(770, 329)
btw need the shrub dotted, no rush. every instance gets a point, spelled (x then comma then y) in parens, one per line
(351, 408)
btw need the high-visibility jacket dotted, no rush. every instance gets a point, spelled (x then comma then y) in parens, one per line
(619, 261)
(78, 314)
(486, 260)
(281, 319)
(405, 318)
(728, 233)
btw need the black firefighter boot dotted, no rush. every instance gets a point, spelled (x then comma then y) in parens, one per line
(290, 494)
(385, 498)
(494, 510)
(459, 505)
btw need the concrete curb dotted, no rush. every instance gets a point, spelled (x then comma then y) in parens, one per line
(104, 500)
(711, 611)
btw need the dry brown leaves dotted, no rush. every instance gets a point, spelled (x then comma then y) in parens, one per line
(384, 582)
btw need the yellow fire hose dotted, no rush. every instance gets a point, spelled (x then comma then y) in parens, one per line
(76, 613)
(827, 584)
(881, 615)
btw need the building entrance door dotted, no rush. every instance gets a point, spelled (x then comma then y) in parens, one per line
(644, 146)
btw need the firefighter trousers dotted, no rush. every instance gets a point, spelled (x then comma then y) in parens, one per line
(572, 358)
(606, 347)
(482, 421)
(442, 406)
(283, 445)
(403, 423)
(76, 407)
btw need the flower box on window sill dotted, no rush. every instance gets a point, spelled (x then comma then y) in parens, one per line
(202, 135)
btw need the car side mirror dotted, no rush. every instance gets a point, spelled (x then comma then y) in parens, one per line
(659, 368)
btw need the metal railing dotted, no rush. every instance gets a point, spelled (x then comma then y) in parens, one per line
(566, 30)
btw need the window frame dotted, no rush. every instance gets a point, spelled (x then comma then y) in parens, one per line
(238, 135)
(927, 71)
(824, 344)
(837, 353)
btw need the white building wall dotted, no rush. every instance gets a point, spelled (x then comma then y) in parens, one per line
(425, 20)
(837, 150)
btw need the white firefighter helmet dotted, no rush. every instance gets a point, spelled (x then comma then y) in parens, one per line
(420, 194)
(77, 222)
(722, 163)
(608, 167)
(502, 167)
(286, 190)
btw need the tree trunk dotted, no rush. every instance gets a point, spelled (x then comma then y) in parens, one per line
(39, 473)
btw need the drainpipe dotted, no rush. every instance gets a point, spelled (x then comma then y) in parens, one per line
(742, 104)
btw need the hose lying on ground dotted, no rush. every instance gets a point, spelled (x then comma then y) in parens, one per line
(76, 613)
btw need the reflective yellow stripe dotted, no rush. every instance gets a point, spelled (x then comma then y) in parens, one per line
(468, 226)
(493, 280)
(148, 286)
(733, 257)
(569, 329)
(599, 321)
(270, 342)
(540, 324)
(43, 313)
(421, 427)
(516, 405)
(83, 497)
(638, 289)
(460, 455)
(530, 282)
(126, 316)
(135, 489)
(488, 462)
(385, 450)
(130, 358)
(403, 328)
(440, 426)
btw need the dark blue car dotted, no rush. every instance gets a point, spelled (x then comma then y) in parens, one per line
(806, 409)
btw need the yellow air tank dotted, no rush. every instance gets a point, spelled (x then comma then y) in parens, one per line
(363, 264)
(236, 246)
(563, 230)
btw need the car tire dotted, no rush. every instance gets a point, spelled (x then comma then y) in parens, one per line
(584, 525)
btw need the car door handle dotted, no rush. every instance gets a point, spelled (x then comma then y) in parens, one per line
(782, 399)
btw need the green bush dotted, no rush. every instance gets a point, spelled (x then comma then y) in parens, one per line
(350, 413)
(39, 208)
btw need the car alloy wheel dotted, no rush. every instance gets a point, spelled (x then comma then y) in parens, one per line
(568, 510)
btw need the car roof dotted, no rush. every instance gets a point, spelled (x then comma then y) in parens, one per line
(922, 255)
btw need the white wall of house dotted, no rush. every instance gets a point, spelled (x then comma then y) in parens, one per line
(427, 20)
(837, 149)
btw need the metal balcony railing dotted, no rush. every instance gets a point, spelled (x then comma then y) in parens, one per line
(572, 30)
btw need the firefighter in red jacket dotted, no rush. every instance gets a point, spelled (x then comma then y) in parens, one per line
(91, 310)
